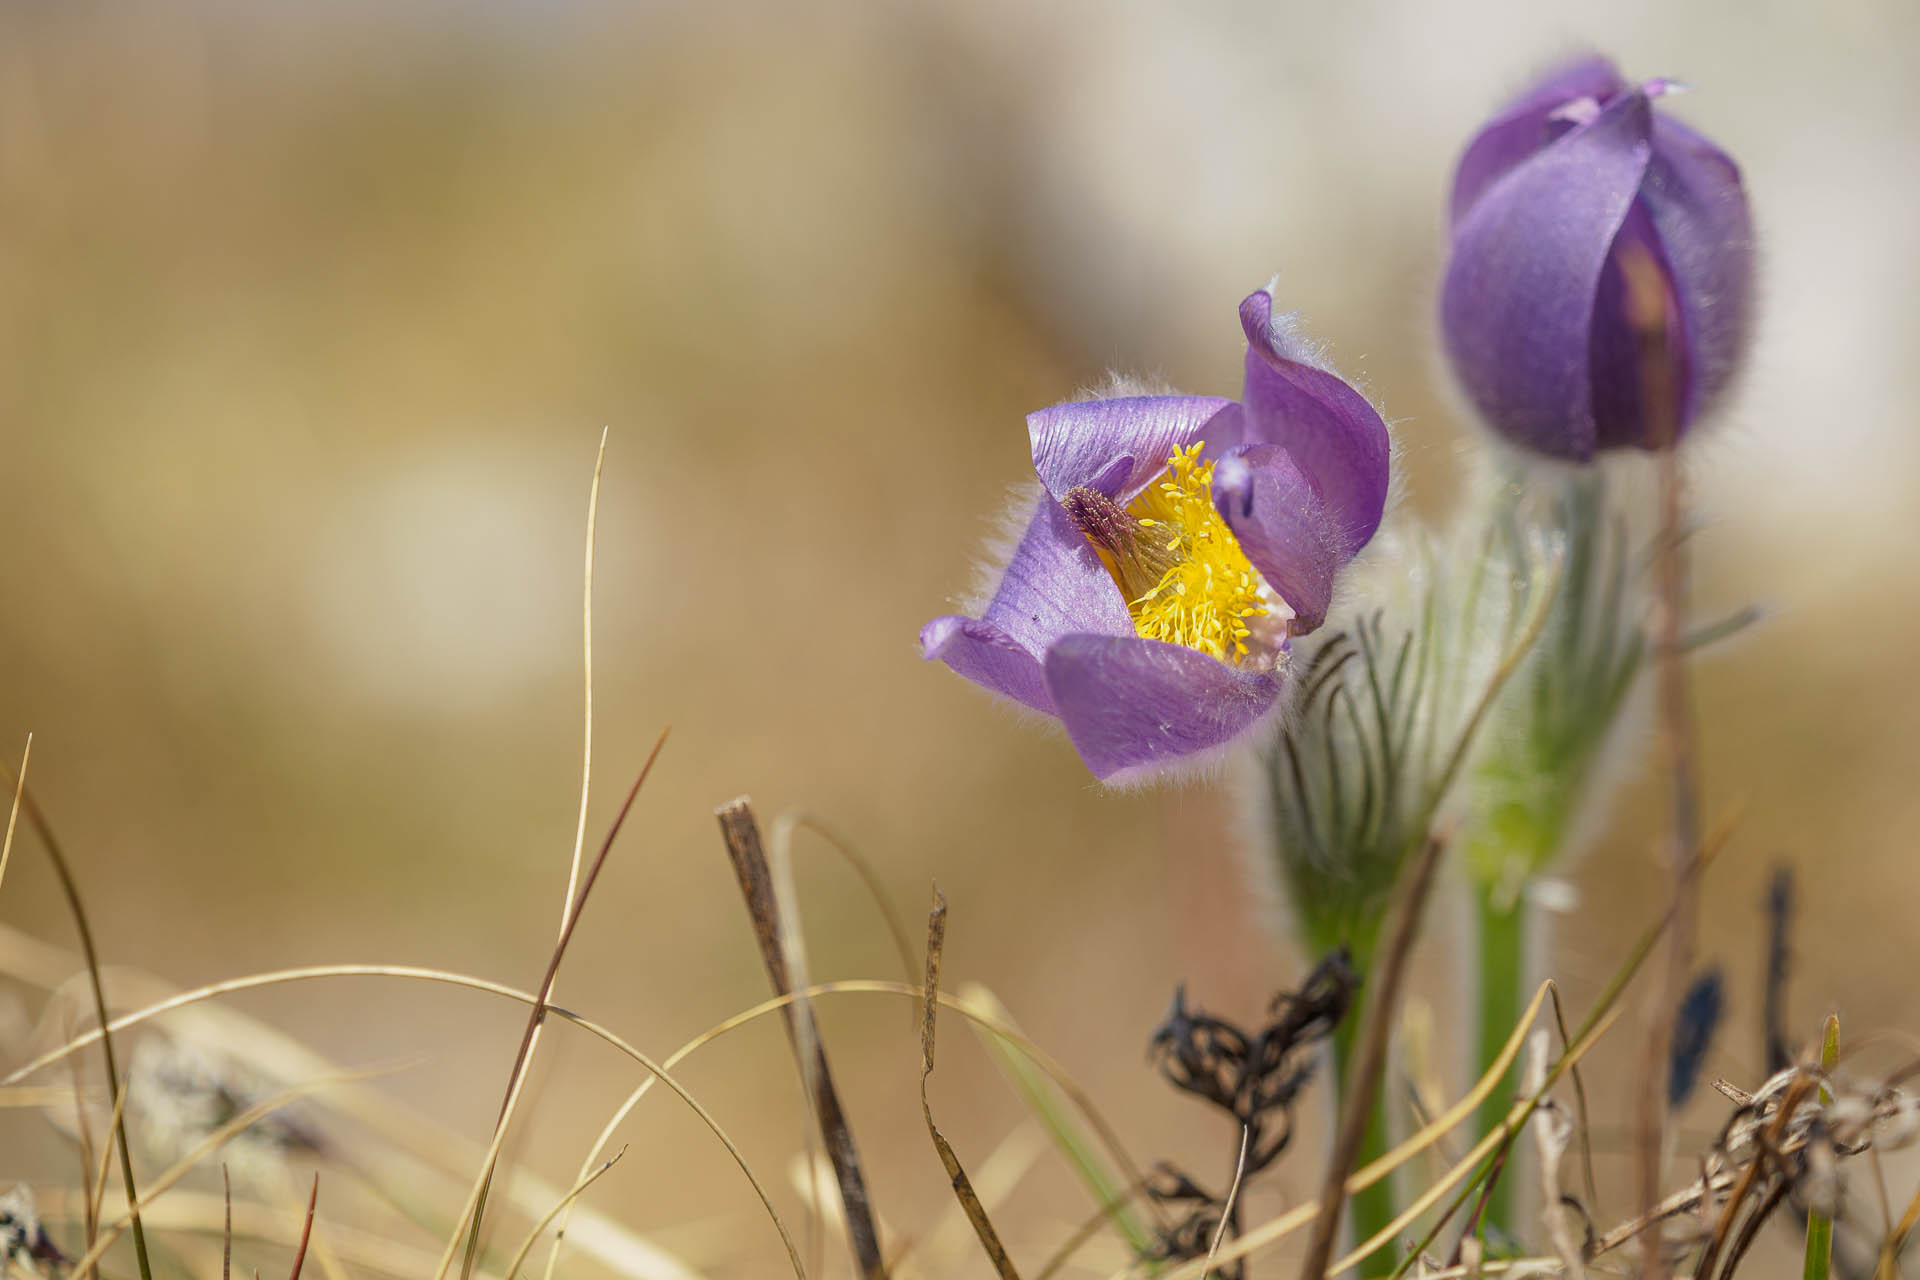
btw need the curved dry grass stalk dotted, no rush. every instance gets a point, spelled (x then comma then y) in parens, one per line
(586, 640)
(13, 814)
(70, 889)
(574, 1193)
(1226, 1206)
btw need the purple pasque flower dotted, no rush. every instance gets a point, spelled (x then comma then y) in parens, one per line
(1178, 542)
(1566, 196)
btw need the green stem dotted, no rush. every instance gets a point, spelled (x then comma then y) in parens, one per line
(1818, 1262)
(1372, 1209)
(1503, 976)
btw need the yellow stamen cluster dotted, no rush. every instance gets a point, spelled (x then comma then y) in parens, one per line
(1208, 591)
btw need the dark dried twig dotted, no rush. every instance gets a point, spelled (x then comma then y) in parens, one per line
(1370, 1057)
(956, 1175)
(742, 835)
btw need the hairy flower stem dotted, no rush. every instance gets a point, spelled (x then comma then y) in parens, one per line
(1503, 971)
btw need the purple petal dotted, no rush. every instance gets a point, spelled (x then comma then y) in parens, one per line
(1332, 432)
(1080, 442)
(1053, 585)
(1136, 707)
(1517, 304)
(1620, 416)
(989, 657)
(1523, 127)
(1283, 525)
(1699, 210)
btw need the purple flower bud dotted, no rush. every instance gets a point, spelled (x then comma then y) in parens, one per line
(1178, 544)
(1600, 282)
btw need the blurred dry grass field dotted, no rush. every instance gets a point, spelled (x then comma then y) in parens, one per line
(309, 325)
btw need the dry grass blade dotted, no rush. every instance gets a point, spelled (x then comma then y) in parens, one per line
(13, 814)
(98, 1195)
(1888, 1268)
(586, 633)
(962, 1187)
(475, 1210)
(574, 1193)
(1748, 1183)
(1383, 997)
(1227, 1205)
(1063, 1253)
(742, 835)
(1584, 1129)
(586, 751)
(83, 1130)
(69, 887)
(994, 1181)
(226, 1225)
(306, 1232)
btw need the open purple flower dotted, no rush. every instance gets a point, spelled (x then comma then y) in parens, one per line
(1177, 544)
(1553, 202)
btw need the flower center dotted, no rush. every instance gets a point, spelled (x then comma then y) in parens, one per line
(1184, 576)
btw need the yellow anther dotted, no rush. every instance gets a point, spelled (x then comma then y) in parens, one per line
(1205, 596)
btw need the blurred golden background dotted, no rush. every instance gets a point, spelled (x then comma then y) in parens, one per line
(311, 318)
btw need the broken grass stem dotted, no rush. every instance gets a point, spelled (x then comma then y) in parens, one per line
(742, 835)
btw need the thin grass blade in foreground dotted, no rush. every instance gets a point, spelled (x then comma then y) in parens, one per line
(306, 1232)
(962, 1188)
(574, 1193)
(71, 889)
(13, 814)
(569, 907)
